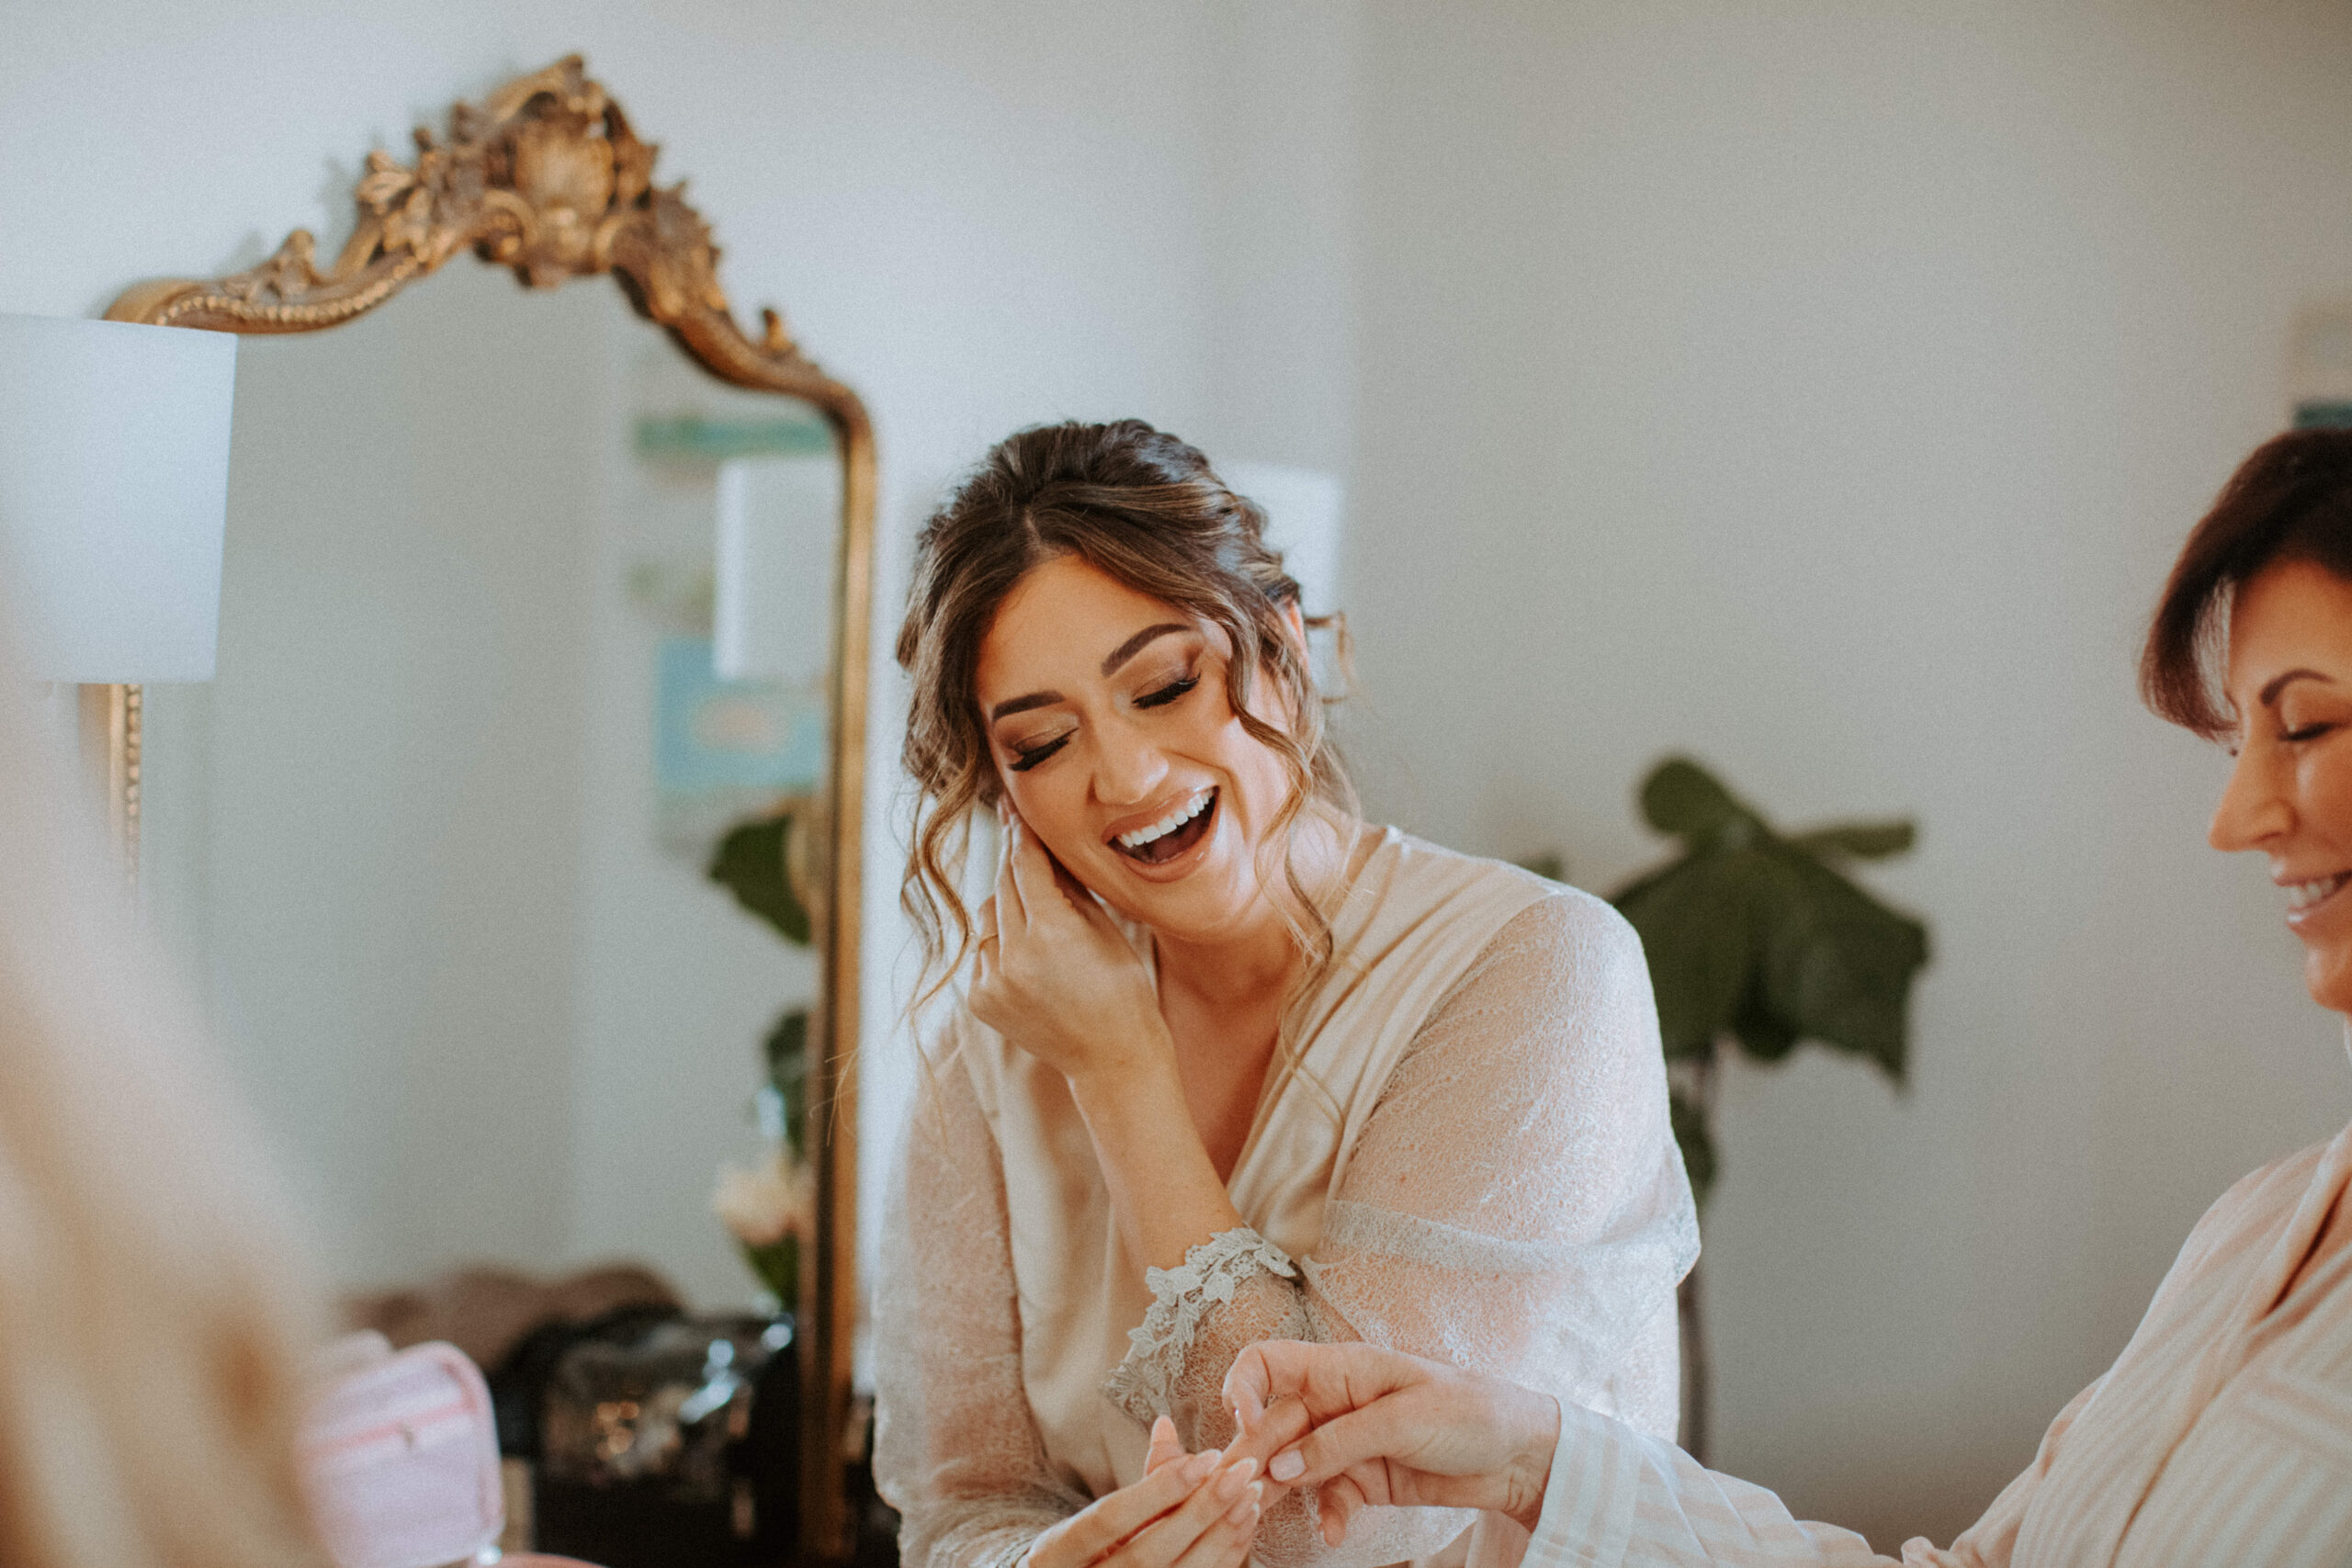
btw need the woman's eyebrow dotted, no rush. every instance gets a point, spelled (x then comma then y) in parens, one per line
(1022, 704)
(2278, 683)
(1119, 655)
(1135, 644)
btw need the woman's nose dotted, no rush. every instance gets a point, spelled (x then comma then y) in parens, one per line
(1126, 769)
(2254, 810)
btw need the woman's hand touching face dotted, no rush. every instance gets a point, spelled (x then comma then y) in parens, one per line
(2289, 796)
(1056, 979)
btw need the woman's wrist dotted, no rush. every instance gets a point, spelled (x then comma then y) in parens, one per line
(1117, 1084)
(1535, 1421)
(1164, 1188)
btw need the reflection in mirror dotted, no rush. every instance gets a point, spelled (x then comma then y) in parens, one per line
(437, 838)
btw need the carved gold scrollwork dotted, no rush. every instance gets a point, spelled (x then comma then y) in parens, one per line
(545, 177)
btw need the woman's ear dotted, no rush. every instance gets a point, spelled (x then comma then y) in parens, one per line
(1295, 619)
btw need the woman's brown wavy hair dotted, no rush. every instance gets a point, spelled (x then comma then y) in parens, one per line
(1147, 510)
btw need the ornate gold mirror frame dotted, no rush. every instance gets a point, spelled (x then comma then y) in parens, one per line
(548, 178)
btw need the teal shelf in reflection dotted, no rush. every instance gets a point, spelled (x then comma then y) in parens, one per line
(693, 439)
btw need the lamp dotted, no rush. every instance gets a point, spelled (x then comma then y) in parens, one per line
(114, 492)
(778, 516)
(1304, 511)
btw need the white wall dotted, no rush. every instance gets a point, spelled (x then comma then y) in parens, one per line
(1818, 387)
(1822, 388)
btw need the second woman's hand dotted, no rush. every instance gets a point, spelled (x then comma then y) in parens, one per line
(1056, 979)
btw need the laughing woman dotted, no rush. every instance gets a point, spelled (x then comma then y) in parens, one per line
(1226, 1063)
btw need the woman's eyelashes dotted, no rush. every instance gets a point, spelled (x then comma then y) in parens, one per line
(1025, 757)
(1161, 696)
(1028, 757)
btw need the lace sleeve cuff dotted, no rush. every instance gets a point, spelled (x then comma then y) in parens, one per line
(1143, 1383)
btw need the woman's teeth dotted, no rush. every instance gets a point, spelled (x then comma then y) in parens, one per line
(1169, 823)
(2303, 895)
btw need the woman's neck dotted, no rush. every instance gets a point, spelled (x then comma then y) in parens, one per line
(1259, 958)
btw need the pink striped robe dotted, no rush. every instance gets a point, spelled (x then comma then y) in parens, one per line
(2223, 1434)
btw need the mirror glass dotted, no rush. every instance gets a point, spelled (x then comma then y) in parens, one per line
(436, 840)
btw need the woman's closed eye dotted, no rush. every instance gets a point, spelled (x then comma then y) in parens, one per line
(1161, 696)
(1027, 753)
(1028, 757)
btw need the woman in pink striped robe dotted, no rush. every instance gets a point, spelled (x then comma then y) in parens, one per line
(2223, 1434)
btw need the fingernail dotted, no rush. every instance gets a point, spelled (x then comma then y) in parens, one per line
(1287, 1466)
(1198, 1467)
(1229, 1484)
(1244, 1512)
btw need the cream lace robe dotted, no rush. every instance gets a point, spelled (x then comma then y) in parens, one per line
(1470, 1159)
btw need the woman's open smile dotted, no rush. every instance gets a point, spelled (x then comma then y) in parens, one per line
(1163, 842)
(2312, 900)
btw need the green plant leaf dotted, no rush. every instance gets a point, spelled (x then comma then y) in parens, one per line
(1551, 866)
(777, 1266)
(750, 863)
(1697, 1143)
(1858, 841)
(787, 1050)
(1682, 798)
(1692, 919)
(1836, 964)
(1754, 938)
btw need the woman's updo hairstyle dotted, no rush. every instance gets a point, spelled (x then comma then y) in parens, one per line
(2290, 500)
(1147, 510)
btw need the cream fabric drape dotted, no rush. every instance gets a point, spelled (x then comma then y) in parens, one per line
(1469, 1158)
(2222, 1435)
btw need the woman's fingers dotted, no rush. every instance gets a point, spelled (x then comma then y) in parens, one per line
(1166, 1447)
(1032, 870)
(1013, 913)
(1345, 1443)
(1166, 1541)
(1226, 1541)
(1337, 1502)
(1327, 1381)
(1109, 1521)
(1267, 1433)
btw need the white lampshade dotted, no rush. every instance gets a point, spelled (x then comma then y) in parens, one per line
(114, 494)
(1304, 511)
(778, 520)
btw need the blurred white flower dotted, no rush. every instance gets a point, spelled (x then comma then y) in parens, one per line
(768, 1202)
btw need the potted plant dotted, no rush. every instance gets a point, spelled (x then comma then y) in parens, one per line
(1757, 942)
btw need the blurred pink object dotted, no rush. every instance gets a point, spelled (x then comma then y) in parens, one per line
(399, 1458)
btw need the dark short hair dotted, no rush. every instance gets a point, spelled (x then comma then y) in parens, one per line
(2290, 500)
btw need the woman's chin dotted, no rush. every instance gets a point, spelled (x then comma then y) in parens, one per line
(1197, 902)
(2327, 971)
